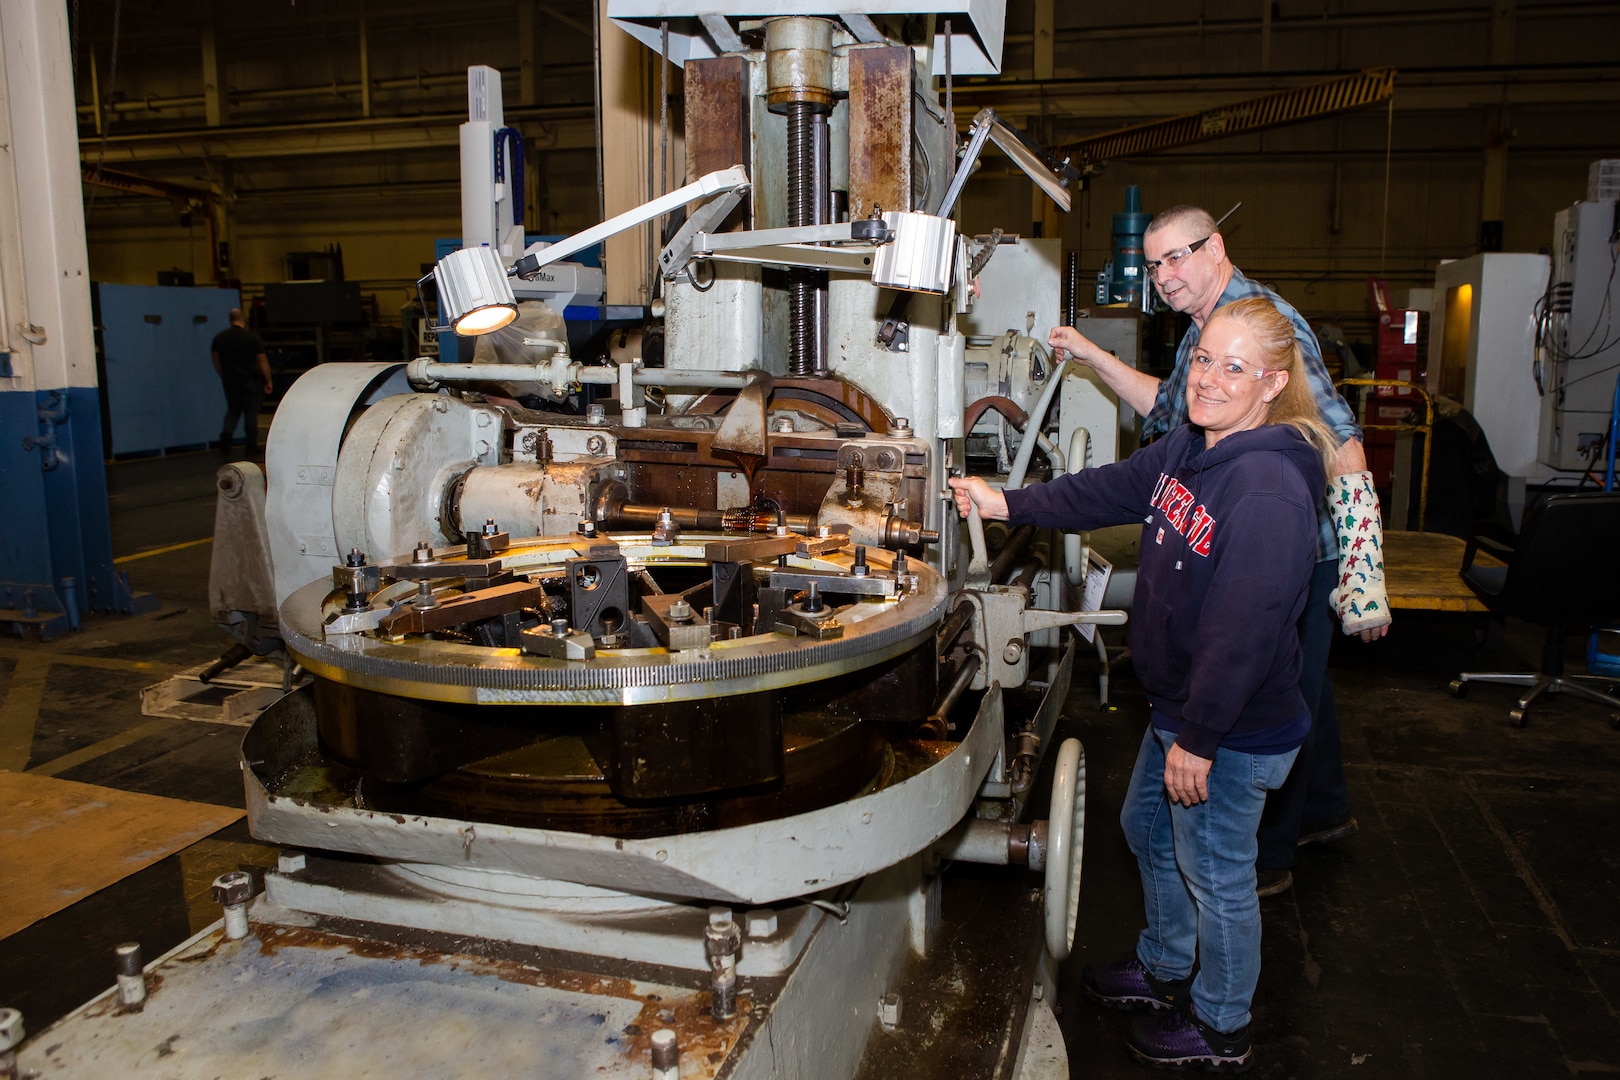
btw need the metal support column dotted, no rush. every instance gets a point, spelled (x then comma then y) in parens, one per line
(55, 540)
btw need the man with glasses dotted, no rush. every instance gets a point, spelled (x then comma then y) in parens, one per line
(1187, 263)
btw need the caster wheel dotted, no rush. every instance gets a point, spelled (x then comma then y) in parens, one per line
(1518, 717)
(1459, 688)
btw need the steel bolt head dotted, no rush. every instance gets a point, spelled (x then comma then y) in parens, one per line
(666, 1050)
(490, 528)
(595, 414)
(423, 553)
(596, 446)
(127, 958)
(559, 627)
(1013, 652)
(784, 425)
(233, 888)
(889, 1011)
(11, 1029)
(356, 557)
(291, 861)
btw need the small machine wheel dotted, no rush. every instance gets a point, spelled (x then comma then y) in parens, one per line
(1519, 717)
(1459, 688)
(1065, 844)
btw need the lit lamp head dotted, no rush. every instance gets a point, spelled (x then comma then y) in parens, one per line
(474, 296)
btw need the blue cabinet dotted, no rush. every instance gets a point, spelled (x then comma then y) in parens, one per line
(161, 390)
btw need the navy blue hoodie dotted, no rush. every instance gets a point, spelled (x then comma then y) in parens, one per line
(1228, 546)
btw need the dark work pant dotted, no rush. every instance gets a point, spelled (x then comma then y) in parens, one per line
(1315, 792)
(241, 401)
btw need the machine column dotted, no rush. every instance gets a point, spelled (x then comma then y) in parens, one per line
(799, 85)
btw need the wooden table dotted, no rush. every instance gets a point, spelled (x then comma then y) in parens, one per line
(1421, 572)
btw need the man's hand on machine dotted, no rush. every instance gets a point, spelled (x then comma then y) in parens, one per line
(1066, 340)
(972, 491)
(1186, 777)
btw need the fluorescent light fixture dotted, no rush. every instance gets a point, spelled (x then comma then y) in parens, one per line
(474, 295)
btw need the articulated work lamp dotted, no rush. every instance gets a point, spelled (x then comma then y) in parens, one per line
(474, 295)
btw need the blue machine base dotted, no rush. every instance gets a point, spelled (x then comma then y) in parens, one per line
(55, 534)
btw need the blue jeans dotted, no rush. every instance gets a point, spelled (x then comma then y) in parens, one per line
(1197, 865)
(1315, 793)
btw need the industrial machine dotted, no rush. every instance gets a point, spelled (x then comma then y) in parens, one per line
(1529, 345)
(644, 729)
(1579, 335)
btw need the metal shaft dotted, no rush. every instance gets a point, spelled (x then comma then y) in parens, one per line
(641, 516)
(941, 715)
(809, 187)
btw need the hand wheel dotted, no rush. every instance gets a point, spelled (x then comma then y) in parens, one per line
(1066, 840)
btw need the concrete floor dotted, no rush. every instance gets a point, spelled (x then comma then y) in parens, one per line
(1468, 930)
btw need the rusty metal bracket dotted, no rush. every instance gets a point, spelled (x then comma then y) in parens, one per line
(470, 607)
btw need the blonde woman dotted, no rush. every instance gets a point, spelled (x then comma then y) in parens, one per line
(1229, 542)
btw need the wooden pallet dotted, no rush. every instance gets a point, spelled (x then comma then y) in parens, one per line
(236, 697)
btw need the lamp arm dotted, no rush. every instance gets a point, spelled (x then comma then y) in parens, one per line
(715, 183)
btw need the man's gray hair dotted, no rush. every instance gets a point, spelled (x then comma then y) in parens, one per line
(1194, 220)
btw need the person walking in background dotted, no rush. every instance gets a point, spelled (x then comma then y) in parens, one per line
(244, 371)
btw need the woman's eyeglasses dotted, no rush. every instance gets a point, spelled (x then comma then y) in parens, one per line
(1228, 370)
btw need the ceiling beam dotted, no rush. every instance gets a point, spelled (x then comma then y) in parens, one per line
(556, 128)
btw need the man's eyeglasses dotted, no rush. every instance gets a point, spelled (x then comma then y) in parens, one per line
(1173, 259)
(1225, 370)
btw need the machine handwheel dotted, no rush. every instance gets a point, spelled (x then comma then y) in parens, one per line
(1066, 841)
(1459, 688)
(1518, 717)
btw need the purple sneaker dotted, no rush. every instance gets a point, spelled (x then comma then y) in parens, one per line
(1182, 1041)
(1126, 985)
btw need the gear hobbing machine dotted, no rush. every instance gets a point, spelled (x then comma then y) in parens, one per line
(657, 699)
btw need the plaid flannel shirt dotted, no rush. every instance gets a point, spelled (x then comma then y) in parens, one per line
(1170, 407)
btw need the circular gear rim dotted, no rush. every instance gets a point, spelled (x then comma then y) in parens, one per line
(445, 671)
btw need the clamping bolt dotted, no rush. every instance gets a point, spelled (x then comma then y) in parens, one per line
(131, 975)
(234, 890)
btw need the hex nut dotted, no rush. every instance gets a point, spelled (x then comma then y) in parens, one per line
(761, 923)
(291, 861)
(11, 1029)
(233, 888)
(889, 1011)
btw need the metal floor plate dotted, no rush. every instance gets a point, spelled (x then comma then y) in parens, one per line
(292, 1001)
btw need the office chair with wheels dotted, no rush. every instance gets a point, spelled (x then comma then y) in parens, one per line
(1563, 571)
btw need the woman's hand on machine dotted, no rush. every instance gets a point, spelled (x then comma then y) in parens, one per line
(973, 491)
